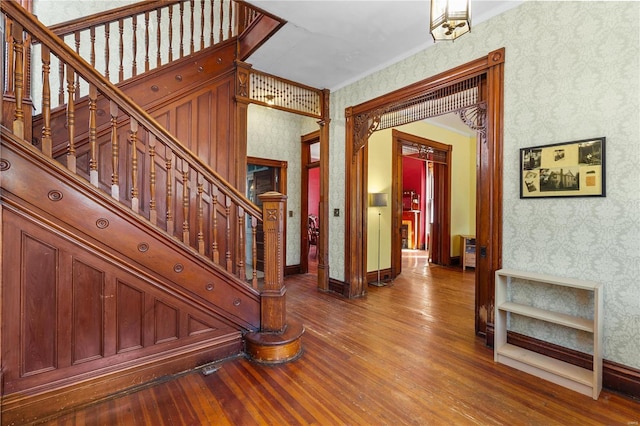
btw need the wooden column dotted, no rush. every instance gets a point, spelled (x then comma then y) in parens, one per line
(277, 341)
(323, 238)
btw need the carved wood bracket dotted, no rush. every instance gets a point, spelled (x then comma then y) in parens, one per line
(475, 117)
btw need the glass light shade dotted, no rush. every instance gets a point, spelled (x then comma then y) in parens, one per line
(450, 19)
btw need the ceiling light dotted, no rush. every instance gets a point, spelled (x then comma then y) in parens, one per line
(450, 19)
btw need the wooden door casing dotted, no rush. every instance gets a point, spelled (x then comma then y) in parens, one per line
(489, 179)
(441, 240)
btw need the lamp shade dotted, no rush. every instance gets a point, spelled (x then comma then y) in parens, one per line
(378, 199)
(450, 19)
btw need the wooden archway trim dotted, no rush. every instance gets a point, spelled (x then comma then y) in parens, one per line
(489, 179)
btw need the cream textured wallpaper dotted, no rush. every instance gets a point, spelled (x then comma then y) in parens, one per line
(563, 82)
(275, 135)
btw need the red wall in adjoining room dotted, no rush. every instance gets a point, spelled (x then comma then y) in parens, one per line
(314, 191)
(414, 179)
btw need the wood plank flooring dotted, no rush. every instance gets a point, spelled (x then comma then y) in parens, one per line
(405, 354)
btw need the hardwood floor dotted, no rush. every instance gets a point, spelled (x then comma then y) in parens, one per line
(403, 355)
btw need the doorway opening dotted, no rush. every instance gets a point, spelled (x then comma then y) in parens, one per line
(421, 188)
(475, 91)
(263, 175)
(310, 224)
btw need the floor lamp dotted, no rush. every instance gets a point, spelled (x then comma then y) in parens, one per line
(378, 200)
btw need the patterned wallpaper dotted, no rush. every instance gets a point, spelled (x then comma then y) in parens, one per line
(563, 82)
(275, 135)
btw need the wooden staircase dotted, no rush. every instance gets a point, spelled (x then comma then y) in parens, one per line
(127, 252)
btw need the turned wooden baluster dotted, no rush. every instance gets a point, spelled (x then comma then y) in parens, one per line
(169, 195)
(133, 137)
(10, 77)
(146, 41)
(192, 47)
(46, 101)
(60, 80)
(200, 220)
(181, 30)
(18, 51)
(202, 15)
(76, 36)
(215, 253)
(93, 160)
(221, 34)
(170, 33)
(254, 251)
(153, 214)
(211, 31)
(159, 39)
(230, 32)
(106, 51)
(242, 273)
(227, 211)
(121, 50)
(115, 186)
(185, 203)
(92, 55)
(134, 28)
(71, 120)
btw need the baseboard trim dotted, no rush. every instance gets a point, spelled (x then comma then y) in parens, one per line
(25, 408)
(292, 270)
(385, 276)
(339, 287)
(615, 377)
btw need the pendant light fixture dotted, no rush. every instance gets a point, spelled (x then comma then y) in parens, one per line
(450, 19)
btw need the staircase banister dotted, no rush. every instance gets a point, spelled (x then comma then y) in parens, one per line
(69, 27)
(125, 104)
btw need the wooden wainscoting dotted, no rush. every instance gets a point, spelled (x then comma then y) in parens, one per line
(404, 354)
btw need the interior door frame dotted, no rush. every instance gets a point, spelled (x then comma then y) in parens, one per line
(398, 137)
(282, 172)
(360, 122)
(306, 164)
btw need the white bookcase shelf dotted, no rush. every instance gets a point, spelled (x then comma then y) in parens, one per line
(585, 381)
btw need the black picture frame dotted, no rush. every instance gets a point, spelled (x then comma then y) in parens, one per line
(566, 169)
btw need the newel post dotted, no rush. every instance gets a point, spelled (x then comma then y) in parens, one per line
(273, 316)
(278, 340)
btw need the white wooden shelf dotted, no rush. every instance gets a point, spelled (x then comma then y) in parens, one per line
(585, 381)
(549, 316)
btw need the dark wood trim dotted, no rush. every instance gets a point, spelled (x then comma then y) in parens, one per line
(293, 270)
(305, 151)
(22, 408)
(443, 198)
(616, 377)
(489, 179)
(338, 287)
(323, 214)
(258, 32)
(386, 275)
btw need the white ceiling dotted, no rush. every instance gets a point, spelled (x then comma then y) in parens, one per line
(330, 44)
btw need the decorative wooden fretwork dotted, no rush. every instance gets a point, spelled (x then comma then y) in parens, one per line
(475, 117)
(275, 92)
(462, 98)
